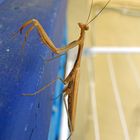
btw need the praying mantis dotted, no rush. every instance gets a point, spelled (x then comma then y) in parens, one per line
(71, 82)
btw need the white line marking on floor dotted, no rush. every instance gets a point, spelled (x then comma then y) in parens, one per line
(93, 97)
(134, 70)
(117, 98)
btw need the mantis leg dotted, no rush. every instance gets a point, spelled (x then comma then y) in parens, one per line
(25, 25)
(21, 28)
(57, 56)
(69, 120)
(45, 38)
(44, 87)
(27, 34)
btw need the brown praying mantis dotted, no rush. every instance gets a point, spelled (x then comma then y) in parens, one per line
(71, 82)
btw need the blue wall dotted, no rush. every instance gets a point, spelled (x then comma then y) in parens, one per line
(25, 70)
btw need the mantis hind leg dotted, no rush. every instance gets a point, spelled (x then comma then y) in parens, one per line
(69, 120)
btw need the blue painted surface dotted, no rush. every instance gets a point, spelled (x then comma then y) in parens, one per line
(57, 102)
(25, 70)
(1, 1)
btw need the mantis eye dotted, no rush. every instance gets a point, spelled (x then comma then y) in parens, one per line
(80, 25)
(86, 27)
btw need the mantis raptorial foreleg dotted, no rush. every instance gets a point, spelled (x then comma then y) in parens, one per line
(45, 38)
(26, 35)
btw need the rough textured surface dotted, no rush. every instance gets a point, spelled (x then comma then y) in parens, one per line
(24, 70)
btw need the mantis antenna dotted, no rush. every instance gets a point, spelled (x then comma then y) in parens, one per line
(97, 13)
(89, 11)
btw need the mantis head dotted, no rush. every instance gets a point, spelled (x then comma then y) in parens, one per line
(83, 26)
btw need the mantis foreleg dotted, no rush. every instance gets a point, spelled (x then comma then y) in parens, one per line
(26, 35)
(45, 38)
